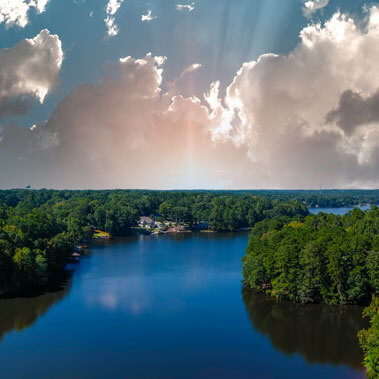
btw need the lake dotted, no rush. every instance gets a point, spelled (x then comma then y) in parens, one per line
(338, 211)
(172, 306)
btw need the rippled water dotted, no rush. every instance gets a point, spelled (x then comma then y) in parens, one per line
(172, 306)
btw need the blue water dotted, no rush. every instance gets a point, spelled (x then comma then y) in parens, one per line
(172, 306)
(338, 211)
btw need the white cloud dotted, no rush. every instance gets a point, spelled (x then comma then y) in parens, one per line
(15, 12)
(278, 106)
(111, 10)
(312, 6)
(31, 68)
(124, 132)
(191, 68)
(185, 7)
(113, 6)
(285, 122)
(148, 16)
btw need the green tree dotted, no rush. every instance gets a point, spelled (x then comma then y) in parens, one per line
(369, 339)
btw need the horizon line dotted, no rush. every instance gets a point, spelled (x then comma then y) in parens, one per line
(189, 189)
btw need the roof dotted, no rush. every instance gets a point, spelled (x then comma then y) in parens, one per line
(145, 219)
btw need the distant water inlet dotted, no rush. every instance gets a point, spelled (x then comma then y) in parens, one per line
(338, 211)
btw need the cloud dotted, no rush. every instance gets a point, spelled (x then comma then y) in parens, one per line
(15, 12)
(28, 71)
(278, 105)
(147, 16)
(111, 10)
(310, 7)
(354, 110)
(189, 69)
(283, 122)
(124, 132)
(185, 7)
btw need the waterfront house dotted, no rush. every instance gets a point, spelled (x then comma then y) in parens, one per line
(146, 222)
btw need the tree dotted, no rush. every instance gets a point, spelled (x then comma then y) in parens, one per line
(323, 258)
(369, 339)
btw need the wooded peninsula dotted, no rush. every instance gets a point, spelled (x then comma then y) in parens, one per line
(323, 258)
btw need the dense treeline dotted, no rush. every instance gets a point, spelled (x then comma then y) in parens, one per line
(34, 246)
(322, 198)
(325, 198)
(38, 229)
(320, 258)
(117, 211)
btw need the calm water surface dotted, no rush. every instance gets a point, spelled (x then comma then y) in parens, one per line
(338, 211)
(172, 306)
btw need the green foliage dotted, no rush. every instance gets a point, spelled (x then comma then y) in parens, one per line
(369, 339)
(45, 225)
(117, 211)
(372, 264)
(326, 258)
(38, 229)
(32, 249)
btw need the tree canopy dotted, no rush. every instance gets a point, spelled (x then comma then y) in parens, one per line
(322, 258)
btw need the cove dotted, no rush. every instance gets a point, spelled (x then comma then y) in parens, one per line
(172, 306)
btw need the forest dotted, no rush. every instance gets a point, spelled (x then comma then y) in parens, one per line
(321, 258)
(369, 339)
(38, 229)
(325, 198)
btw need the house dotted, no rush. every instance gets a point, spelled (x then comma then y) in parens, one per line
(146, 222)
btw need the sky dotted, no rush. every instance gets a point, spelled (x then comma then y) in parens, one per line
(210, 94)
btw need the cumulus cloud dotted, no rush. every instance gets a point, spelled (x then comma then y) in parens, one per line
(111, 10)
(124, 132)
(284, 122)
(148, 16)
(15, 12)
(189, 69)
(283, 107)
(29, 70)
(310, 7)
(354, 110)
(185, 7)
